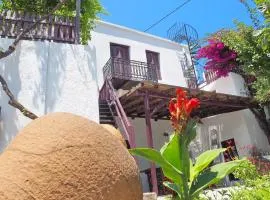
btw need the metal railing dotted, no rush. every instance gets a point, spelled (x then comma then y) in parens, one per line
(108, 93)
(130, 70)
(54, 28)
(210, 76)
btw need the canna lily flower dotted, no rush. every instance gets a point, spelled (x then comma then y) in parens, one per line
(180, 108)
(191, 105)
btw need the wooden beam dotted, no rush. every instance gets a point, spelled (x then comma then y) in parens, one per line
(150, 142)
(155, 94)
(223, 104)
(159, 106)
(139, 107)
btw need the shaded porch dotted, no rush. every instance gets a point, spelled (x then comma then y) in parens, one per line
(149, 100)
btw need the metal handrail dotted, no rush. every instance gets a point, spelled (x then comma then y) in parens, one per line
(130, 70)
(210, 76)
(109, 94)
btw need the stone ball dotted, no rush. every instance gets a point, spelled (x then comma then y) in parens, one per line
(115, 132)
(63, 156)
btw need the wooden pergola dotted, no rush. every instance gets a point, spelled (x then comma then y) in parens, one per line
(155, 97)
(150, 101)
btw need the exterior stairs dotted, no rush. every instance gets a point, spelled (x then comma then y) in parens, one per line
(106, 114)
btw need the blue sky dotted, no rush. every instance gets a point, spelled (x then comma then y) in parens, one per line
(205, 15)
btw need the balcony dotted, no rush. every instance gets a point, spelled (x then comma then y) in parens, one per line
(54, 28)
(210, 76)
(126, 73)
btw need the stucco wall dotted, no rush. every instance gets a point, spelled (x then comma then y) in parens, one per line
(158, 127)
(170, 53)
(240, 125)
(232, 84)
(47, 77)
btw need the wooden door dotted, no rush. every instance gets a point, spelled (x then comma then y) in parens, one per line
(121, 61)
(153, 64)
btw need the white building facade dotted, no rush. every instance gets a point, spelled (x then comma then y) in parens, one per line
(52, 77)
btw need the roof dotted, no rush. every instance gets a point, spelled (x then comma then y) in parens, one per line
(212, 103)
(100, 22)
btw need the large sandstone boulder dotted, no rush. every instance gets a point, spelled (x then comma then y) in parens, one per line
(63, 156)
(115, 132)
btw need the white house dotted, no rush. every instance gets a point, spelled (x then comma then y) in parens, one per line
(55, 77)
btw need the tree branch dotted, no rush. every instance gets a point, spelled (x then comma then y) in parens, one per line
(13, 102)
(262, 121)
(13, 46)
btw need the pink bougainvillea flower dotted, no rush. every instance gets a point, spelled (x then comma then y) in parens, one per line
(220, 59)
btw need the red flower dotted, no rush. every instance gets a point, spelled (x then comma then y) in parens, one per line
(181, 107)
(191, 105)
(180, 93)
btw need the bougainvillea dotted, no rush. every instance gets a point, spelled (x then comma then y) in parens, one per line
(220, 59)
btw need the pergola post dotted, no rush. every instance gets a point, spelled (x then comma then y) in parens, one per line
(77, 22)
(150, 143)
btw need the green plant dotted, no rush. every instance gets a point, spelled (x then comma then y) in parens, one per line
(253, 184)
(89, 11)
(252, 56)
(187, 179)
(252, 45)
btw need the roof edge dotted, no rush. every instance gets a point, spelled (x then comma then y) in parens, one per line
(140, 33)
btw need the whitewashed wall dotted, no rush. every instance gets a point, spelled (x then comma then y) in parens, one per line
(240, 125)
(48, 77)
(233, 84)
(159, 128)
(170, 53)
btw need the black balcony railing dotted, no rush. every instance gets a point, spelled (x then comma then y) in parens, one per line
(122, 69)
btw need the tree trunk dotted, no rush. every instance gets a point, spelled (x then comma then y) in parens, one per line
(13, 102)
(262, 121)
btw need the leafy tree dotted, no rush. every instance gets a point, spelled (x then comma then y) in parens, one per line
(88, 14)
(252, 45)
(253, 58)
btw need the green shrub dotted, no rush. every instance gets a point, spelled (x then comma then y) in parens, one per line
(253, 185)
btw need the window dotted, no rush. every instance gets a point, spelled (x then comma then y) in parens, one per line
(120, 61)
(153, 62)
(119, 51)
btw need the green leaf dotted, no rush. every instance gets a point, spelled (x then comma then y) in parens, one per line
(170, 152)
(149, 154)
(155, 156)
(173, 187)
(190, 131)
(204, 160)
(184, 156)
(212, 176)
(256, 33)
